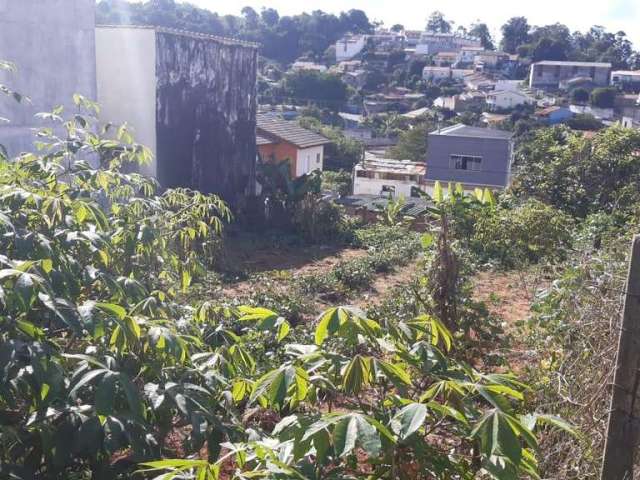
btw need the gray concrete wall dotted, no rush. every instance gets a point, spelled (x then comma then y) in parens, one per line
(52, 43)
(496, 160)
(552, 75)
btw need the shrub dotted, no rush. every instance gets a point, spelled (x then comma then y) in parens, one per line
(580, 95)
(604, 97)
(528, 233)
(355, 274)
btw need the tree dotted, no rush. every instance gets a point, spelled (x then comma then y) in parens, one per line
(514, 33)
(269, 16)
(548, 49)
(397, 27)
(412, 144)
(481, 31)
(251, 18)
(604, 97)
(580, 95)
(325, 89)
(437, 23)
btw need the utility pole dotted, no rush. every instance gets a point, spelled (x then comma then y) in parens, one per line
(624, 414)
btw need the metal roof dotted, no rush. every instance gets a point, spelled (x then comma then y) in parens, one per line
(269, 126)
(377, 164)
(461, 130)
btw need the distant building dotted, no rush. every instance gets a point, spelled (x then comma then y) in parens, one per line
(490, 58)
(301, 66)
(554, 115)
(388, 177)
(442, 59)
(626, 78)
(475, 157)
(190, 97)
(507, 99)
(549, 74)
(349, 46)
(462, 102)
(355, 79)
(433, 42)
(436, 74)
(52, 44)
(279, 140)
(468, 54)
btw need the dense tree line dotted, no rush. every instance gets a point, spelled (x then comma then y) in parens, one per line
(282, 38)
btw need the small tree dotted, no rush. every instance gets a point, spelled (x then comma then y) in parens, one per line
(580, 95)
(604, 97)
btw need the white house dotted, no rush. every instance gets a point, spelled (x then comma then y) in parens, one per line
(467, 54)
(302, 65)
(625, 77)
(433, 42)
(383, 176)
(436, 74)
(349, 46)
(506, 99)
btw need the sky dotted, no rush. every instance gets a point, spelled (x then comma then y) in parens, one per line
(614, 15)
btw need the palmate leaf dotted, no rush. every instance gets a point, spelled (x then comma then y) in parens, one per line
(346, 322)
(408, 420)
(357, 374)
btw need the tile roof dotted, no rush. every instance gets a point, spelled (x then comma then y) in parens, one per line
(264, 140)
(461, 130)
(269, 126)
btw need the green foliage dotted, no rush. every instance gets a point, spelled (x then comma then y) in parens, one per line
(604, 97)
(412, 144)
(528, 233)
(580, 95)
(322, 88)
(584, 121)
(339, 182)
(580, 175)
(283, 38)
(342, 153)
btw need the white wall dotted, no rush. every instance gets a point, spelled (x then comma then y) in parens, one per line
(126, 71)
(347, 48)
(52, 44)
(373, 186)
(307, 160)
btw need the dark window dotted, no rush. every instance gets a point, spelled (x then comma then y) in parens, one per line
(466, 162)
(389, 189)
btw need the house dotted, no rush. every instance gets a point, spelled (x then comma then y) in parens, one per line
(355, 79)
(305, 66)
(493, 120)
(507, 99)
(458, 74)
(53, 46)
(490, 58)
(417, 113)
(479, 81)
(472, 156)
(388, 177)
(349, 46)
(190, 97)
(549, 74)
(442, 59)
(626, 79)
(467, 54)
(433, 42)
(436, 74)
(354, 126)
(554, 115)
(460, 103)
(279, 140)
(629, 122)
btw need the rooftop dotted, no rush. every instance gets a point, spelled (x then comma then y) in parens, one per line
(461, 130)
(413, 206)
(388, 165)
(186, 33)
(272, 129)
(573, 64)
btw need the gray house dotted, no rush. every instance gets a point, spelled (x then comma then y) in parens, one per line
(553, 74)
(474, 157)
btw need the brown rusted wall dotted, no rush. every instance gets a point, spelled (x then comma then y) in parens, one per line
(206, 115)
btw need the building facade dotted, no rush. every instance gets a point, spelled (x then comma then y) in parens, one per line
(190, 97)
(52, 44)
(550, 74)
(388, 177)
(434, 42)
(474, 157)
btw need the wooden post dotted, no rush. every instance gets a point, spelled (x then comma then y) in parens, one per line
(624, 414)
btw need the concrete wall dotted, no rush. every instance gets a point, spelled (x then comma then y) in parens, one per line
(126, 72)
(52, 43)
(551, 75)
(496, 160)
(373, 186)
(309, 159)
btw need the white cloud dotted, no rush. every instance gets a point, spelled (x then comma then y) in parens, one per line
(577, 14)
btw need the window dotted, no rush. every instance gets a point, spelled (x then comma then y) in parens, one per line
(466, 162)
(317, 158)
(389, 189)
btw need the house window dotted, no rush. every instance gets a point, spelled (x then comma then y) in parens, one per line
(466, 162)
(317, 158)
(390, 189)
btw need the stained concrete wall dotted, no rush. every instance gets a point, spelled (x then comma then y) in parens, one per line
(52, 43)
